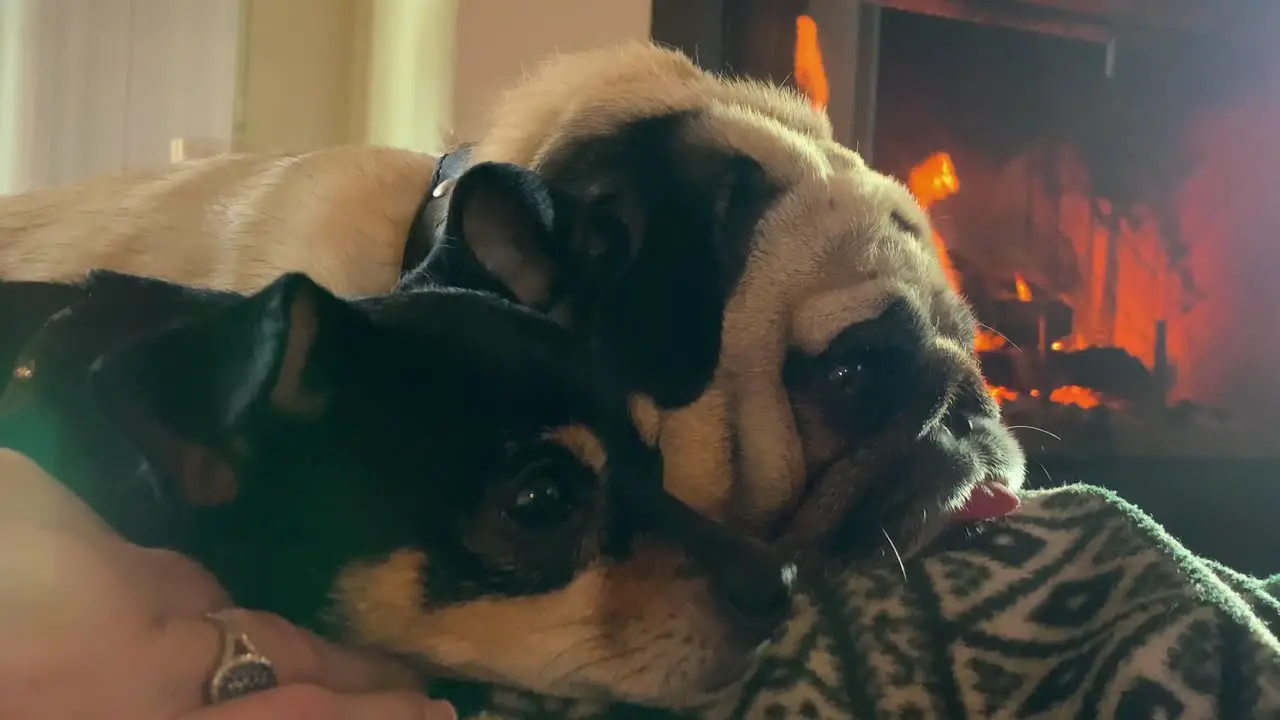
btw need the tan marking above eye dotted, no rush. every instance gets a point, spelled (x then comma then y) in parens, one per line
(646, 417)
(583, 443)
(639, 629)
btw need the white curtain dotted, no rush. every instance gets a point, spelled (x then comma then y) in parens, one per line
(14, 105)
(96, 86)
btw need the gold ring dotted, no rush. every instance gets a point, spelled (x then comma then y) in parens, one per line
(241, 669)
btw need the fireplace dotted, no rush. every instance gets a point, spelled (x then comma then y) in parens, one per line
(1100, 187)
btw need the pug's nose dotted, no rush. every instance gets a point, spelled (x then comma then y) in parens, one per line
(754, 589)
(965, 412)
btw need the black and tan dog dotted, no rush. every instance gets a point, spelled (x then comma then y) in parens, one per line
(436, 473)
(811, 373)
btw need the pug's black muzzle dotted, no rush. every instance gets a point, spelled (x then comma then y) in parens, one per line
(915, 432)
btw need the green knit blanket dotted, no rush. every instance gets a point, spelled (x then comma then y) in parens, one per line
(1079, 606)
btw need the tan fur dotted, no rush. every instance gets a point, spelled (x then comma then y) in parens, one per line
(583, 443)
(638, 630)
(828, 253)
(647, 418)
(645, 619)
(289, 395)
(235, 222)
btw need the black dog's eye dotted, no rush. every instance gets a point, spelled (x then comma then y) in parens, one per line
(541, 501)
(848, 379)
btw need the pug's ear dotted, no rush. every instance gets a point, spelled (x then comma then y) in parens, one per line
(500, 235)
(196, 399)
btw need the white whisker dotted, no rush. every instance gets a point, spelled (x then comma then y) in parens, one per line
(1045, 471)
(1012, 344)
(1033, 427)
(901, 565)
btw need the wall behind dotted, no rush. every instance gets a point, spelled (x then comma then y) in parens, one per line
(96, 86)
(419, 74)
(497, 41)
(300, 74)
(408, 92)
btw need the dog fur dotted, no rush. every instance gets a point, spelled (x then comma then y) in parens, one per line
(234, 222)
(784, 251)
(353, 466)
(752, 256)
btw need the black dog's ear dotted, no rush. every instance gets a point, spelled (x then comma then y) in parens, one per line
(500, 228)
(194, 398)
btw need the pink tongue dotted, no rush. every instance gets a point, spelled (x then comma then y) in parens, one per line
(989, 501)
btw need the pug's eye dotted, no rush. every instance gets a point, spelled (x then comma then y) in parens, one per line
(540, 501)
(848, 379)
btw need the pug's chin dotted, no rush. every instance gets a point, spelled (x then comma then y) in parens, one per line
(872, 503)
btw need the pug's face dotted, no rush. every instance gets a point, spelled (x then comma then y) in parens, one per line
(777, 305)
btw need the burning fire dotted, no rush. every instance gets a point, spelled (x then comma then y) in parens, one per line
(1075, 395)
(810, 75)
(933, 180)
(1021, 287)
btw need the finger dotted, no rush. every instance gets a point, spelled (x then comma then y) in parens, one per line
(302, 657)
(309, 702)
(175, 585)
(191, 648)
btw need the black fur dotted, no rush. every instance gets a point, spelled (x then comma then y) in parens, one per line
(428, 416)
(646, 234)
(647, 231)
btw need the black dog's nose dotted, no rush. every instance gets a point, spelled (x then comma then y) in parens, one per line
(747, 580)
(754, 588)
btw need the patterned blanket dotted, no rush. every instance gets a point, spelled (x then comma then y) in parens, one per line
(1079, 606)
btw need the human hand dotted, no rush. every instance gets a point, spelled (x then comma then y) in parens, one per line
(96, 627)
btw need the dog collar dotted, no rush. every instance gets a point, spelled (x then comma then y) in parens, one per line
(429, 218)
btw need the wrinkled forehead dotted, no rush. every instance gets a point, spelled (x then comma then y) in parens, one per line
(840, 242)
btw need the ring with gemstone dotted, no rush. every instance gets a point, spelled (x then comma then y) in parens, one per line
(241, 669)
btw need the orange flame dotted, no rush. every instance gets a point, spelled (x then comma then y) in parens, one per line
(1075, 395)
(810, 75)
(1021, 288)
(933, 180)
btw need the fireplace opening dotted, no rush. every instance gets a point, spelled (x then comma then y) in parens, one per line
(1102, 181)
(1077, 187)
(1101, 187)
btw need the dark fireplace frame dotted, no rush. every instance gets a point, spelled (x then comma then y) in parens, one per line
(756, 38)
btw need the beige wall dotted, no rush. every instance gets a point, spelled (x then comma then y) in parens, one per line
(300, 68)
(498, 40)
(409, 46)
(409, 73)
(95, 86)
